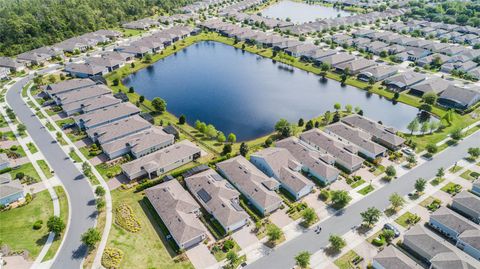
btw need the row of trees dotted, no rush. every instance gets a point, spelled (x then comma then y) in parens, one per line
(210, 131)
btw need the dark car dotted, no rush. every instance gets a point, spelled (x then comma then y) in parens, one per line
(390, 227)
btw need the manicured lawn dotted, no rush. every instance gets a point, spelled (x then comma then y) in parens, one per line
(74, 156)
(221, 255)
(89, 153)
(345, 261)
(108, 171)
(431, 203)
(32, 148)
(16, 229)
(403, 220)
(28, 170)
(452, 188)
(357, 183)
(63, 200)
(437, 181)
(149, 240)
(366, 190)
(62, 122)
(45, 168)
(455, 169)
(469, 175)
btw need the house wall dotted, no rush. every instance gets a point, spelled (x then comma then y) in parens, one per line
(118, 153)
(152, 149)
(443, 229)
(11, 198)
(236, 226)
(476, 190)
(420, 253)
(470, 250)
(192, 242)
(474, 216)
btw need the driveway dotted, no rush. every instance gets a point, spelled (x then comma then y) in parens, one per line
(81, 197)
(283, 257)
(245, 238)
(201, 257)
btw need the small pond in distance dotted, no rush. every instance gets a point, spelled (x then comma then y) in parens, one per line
(246, 94)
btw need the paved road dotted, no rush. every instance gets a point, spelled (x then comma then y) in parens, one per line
(283, 257)
(81, 197)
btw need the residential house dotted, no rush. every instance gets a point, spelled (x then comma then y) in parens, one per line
(316, 165)
(404, 81)
(393, 258)
(345, 156)
(354, 67)
(106, 115)
(91, 104)
(33, 58)
(4, 161)
(86, 70)
(138, 144)
(385, 136)
(469, 242)
(336, 59)
(219, 198)
(358, 138)
(457, 97)
(81, 94)
(67, 85)
(377, 73)
(179, 212)
(376, 47)
(108, 62)
(434, 84)
(476, 187)
(316, 55)
(468, 205)
(412, 54)
(162, 161)
(280, 164)
(258, 188)
(300, 50)
(12, 64)
(10, 190)
(4, 73)
(118, 129)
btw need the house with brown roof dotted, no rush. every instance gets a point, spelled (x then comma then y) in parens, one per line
(219, 198)
(258, 188)
(179, 212)
(280, 164)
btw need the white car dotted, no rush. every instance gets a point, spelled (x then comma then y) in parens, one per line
(408, 151)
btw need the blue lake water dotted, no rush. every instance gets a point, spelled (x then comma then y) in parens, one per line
(300, 12)
(246, 94)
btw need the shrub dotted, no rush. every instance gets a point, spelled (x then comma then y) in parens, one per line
(228, 245)
(125, 218)
(112, 257)
(38, 225)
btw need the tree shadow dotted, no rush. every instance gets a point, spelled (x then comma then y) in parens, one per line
(80, 252)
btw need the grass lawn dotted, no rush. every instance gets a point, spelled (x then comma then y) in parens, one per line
(28, 170)
(403, 220)
(221, 255)
(32, 148)
(357, 183)
(366, 190)
(63, 200)
(61, 122)
(45, 168)
(345, 261)
(452, 188)
(50, 126)
(74, 156)
(437, 181)
(155, 251)
(469, 175)
(16, 230)
(16, 149)
(108, 171)
(455, 169)
(431, 203)
(88, 153)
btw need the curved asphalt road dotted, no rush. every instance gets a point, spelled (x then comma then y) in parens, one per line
(283, 257)
(81, 197)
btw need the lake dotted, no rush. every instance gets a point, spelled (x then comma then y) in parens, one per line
(246, 94)
(300, 12)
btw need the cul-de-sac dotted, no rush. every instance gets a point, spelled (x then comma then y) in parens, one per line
(229, 134)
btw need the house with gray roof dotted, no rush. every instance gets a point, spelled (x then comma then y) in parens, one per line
(377, 73)
(179, 212)
(354, 67)
(457, 97)
(404, 81)
(393, 258)
(318, 54)
(12, 64)
(118, 129)
(111, 63)
(162, 161)
(138, 144)
(336, 59)
(453, 50)
(300, 50)
(219, 198)
(316, 165)
(67, 85)
(469, 242)
(258, 188)
(458, 66)
(91, 104)
(4, 73)
(442, 58)
(376, 47)
(280, 164)
(476, 187)
(81, 94)
(106, 115)
(468, 205)
(395, 49)
(412, 54)
(358, 138)
(85, 70)
(345, 155)
(436, 46)
(134, 49)
(434, 84)
(385, 136)
(33, 58)
(11, 190)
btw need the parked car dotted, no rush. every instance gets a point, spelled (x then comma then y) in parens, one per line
(390, 227)
(408, 151)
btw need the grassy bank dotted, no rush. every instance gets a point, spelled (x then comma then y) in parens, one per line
(63, 201)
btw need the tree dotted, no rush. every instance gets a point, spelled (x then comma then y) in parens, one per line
(337, 106)
(474, 153)
(55, 224)
(432, 148)
(420, 184)
(456, 134)
(309, 216)
(100, 204)
(324, 67)
(91, 237)
(300, 122)
(413, 126)
(274, 233)
(425, 127)
(141, 99)
(309, 125)
(283, 127)
(131, 90)
(340, 198)
(327, 117)
(371, 216)
(243, 149)
(348, 108)
(430, 98)
(182, 119)
(232, 258)
(390, 171)
(336, 242)
(159, 104)
(440, 172)
(221, 137)
(396, 200)
(303, 259)
(21, 128)
(100, 191)
(433, 126)
(211, 131)
(388, 235)
(232, 138)
(227, 148)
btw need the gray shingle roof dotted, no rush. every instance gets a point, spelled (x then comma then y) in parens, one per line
(356, 137)
(392, 258)
(67, 85)
(452, 220)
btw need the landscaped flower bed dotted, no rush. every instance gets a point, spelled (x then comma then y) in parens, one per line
(125, 218)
